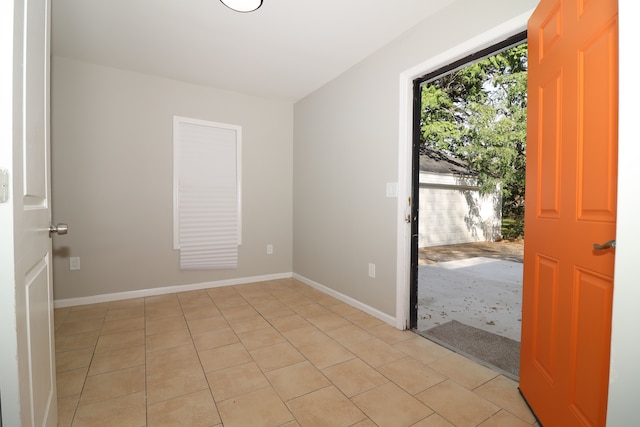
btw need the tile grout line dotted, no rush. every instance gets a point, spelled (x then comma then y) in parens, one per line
(182, 304)
(198, 354)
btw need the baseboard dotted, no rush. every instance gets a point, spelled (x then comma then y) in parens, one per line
(348, 300)
(117, 296)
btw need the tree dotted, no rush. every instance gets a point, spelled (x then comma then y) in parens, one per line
(479, 114)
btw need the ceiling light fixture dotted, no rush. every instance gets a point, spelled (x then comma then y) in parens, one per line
(242, 5)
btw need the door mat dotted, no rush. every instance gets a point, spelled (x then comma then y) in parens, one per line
(497, 352)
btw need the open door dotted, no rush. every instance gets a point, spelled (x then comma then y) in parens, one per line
(571, 205)
(27, 368)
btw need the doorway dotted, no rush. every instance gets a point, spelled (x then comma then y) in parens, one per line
(469, 141)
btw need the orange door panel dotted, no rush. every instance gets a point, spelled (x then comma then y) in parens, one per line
(570, 205)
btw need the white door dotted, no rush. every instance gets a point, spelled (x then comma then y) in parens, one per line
(27, 365)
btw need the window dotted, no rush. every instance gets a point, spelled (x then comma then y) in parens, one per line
(206, 193)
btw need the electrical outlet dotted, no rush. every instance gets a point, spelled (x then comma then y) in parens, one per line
(74, 263)
(269, 249)
(372, 270)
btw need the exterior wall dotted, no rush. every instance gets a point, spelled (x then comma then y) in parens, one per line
(452, 210)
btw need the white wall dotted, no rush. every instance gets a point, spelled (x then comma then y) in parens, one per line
(625, 353)
(452, 210)
(112, 178)
(346, 150)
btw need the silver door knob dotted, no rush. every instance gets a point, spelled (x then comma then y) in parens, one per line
(606, 245)
(60, 229)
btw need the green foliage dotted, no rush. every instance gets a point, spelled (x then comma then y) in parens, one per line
(512, 229)
(479, 114)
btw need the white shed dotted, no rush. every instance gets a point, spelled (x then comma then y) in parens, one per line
(451, 208)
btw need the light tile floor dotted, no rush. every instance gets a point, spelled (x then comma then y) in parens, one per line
(276, 353)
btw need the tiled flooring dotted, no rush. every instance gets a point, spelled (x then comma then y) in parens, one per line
(275, 353)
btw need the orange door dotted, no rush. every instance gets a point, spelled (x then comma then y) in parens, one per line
(571, 204)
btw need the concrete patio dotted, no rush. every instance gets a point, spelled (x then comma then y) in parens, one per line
(481, 292)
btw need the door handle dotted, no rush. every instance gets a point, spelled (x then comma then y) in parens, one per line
(60, 229)
(606, 245)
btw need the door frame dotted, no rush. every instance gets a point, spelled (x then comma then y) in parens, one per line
(434, 75)
(9, 379)
(405, 154)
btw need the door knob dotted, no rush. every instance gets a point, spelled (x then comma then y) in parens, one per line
(606, 245)
(60, 229)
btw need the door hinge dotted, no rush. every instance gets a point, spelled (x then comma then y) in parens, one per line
(4, 186)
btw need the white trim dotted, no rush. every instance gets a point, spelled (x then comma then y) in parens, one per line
(117, 296)
(348, 300)
(486, 39)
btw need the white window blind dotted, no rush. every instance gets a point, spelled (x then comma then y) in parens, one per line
(206, 193)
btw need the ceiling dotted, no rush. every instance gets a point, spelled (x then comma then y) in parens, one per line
(284, 50)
